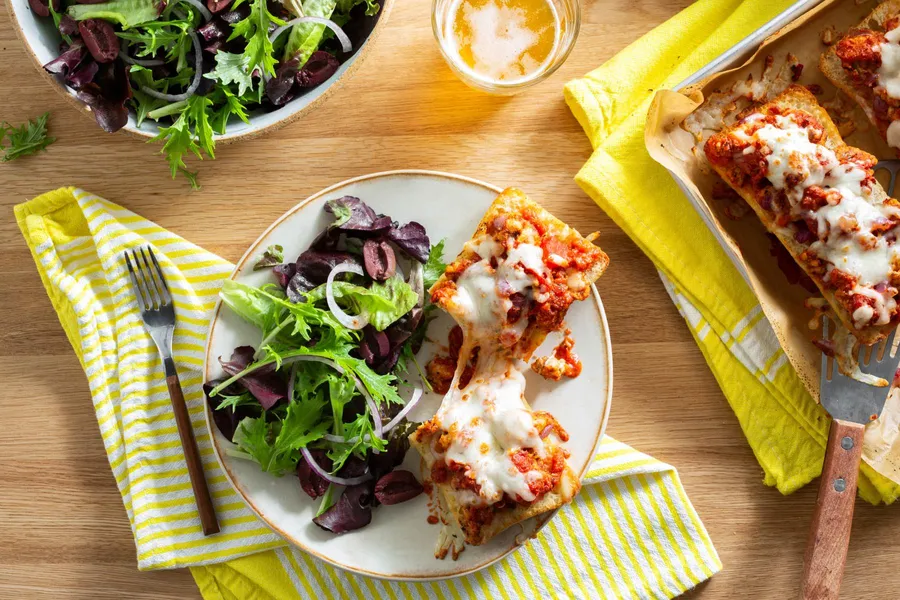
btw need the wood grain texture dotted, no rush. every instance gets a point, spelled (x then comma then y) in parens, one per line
(63, 530)
(829, 533)
(192, 456)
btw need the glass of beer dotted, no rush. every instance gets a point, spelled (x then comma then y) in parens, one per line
(504, 46)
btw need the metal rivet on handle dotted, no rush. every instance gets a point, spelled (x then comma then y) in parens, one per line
(847, 442)
(840, 485)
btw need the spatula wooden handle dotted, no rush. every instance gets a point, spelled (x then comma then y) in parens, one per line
(829, 534)
(205, 507)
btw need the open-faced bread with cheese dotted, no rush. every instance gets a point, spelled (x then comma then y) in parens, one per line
(494, 462)
(565, 263)
(819, 197)
(865, 65)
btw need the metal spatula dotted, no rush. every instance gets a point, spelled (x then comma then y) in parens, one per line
(851, 404)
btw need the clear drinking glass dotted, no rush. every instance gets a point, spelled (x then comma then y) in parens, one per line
(449, 15)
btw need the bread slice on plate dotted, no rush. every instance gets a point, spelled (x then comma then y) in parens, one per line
(494, 462)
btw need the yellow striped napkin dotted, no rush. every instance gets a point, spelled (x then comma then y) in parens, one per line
(785, 427)
(631, 533)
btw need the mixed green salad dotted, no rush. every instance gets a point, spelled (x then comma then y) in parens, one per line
(191, 66)
(326, 391)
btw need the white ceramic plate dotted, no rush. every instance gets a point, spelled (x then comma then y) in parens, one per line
(399, 543)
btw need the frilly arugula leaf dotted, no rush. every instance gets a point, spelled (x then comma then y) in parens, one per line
(150, 37)
(435, 265)
(232, 69)
(255, 439)
(232, 106)
(191, 132)
(29, 138)
(304, 424)
(238, 68)
(233, 402)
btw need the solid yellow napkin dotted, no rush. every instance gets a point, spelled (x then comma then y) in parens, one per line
(785, 427)
(631, 533)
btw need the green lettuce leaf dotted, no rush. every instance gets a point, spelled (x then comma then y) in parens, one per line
(304, 38)
(232, 68)
(345, 6)
(255, 439)
(126, 13)
(383, 302)
(275, 315)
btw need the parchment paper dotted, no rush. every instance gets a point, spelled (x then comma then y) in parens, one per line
(702, 108)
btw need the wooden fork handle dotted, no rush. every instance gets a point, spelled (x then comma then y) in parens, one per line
(192, 455)
(829, 534)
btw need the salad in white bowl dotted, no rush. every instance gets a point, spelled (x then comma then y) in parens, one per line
(191, 72)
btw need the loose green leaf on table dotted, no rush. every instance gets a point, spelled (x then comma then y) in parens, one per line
(29, 138)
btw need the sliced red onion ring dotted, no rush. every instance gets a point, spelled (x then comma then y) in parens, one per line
(293, 378)
(207, 16)
(195, 83)
(338, 32)
(328, 476)
(416, 396)
(150, 62)
(417, 282)
(348, 321)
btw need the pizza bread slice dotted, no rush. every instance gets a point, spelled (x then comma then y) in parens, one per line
(865, 65)
(542, 265)
(819, 197)
(464, 510)
(492, 460)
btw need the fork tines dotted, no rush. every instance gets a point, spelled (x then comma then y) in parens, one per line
(147, 279)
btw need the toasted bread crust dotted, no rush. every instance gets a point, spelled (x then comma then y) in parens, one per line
(476, 533)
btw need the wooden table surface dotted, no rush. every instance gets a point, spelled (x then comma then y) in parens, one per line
(63, 530)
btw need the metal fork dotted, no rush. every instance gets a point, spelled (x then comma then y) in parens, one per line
(851, 404)
(158, 313)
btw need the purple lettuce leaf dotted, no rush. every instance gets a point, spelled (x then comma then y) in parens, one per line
(412, 239)
(107, 95)
(312, 269)
(69, 60)
(352, 511)
(264, 384)
(353, 216)
(312, 483)
(227, 419)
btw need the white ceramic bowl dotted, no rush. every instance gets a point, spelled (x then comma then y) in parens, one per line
(42, 41)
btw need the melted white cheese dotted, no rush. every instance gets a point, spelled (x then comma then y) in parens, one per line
(857, 252)
(889, 71)
(490, 418)
(479, 299)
